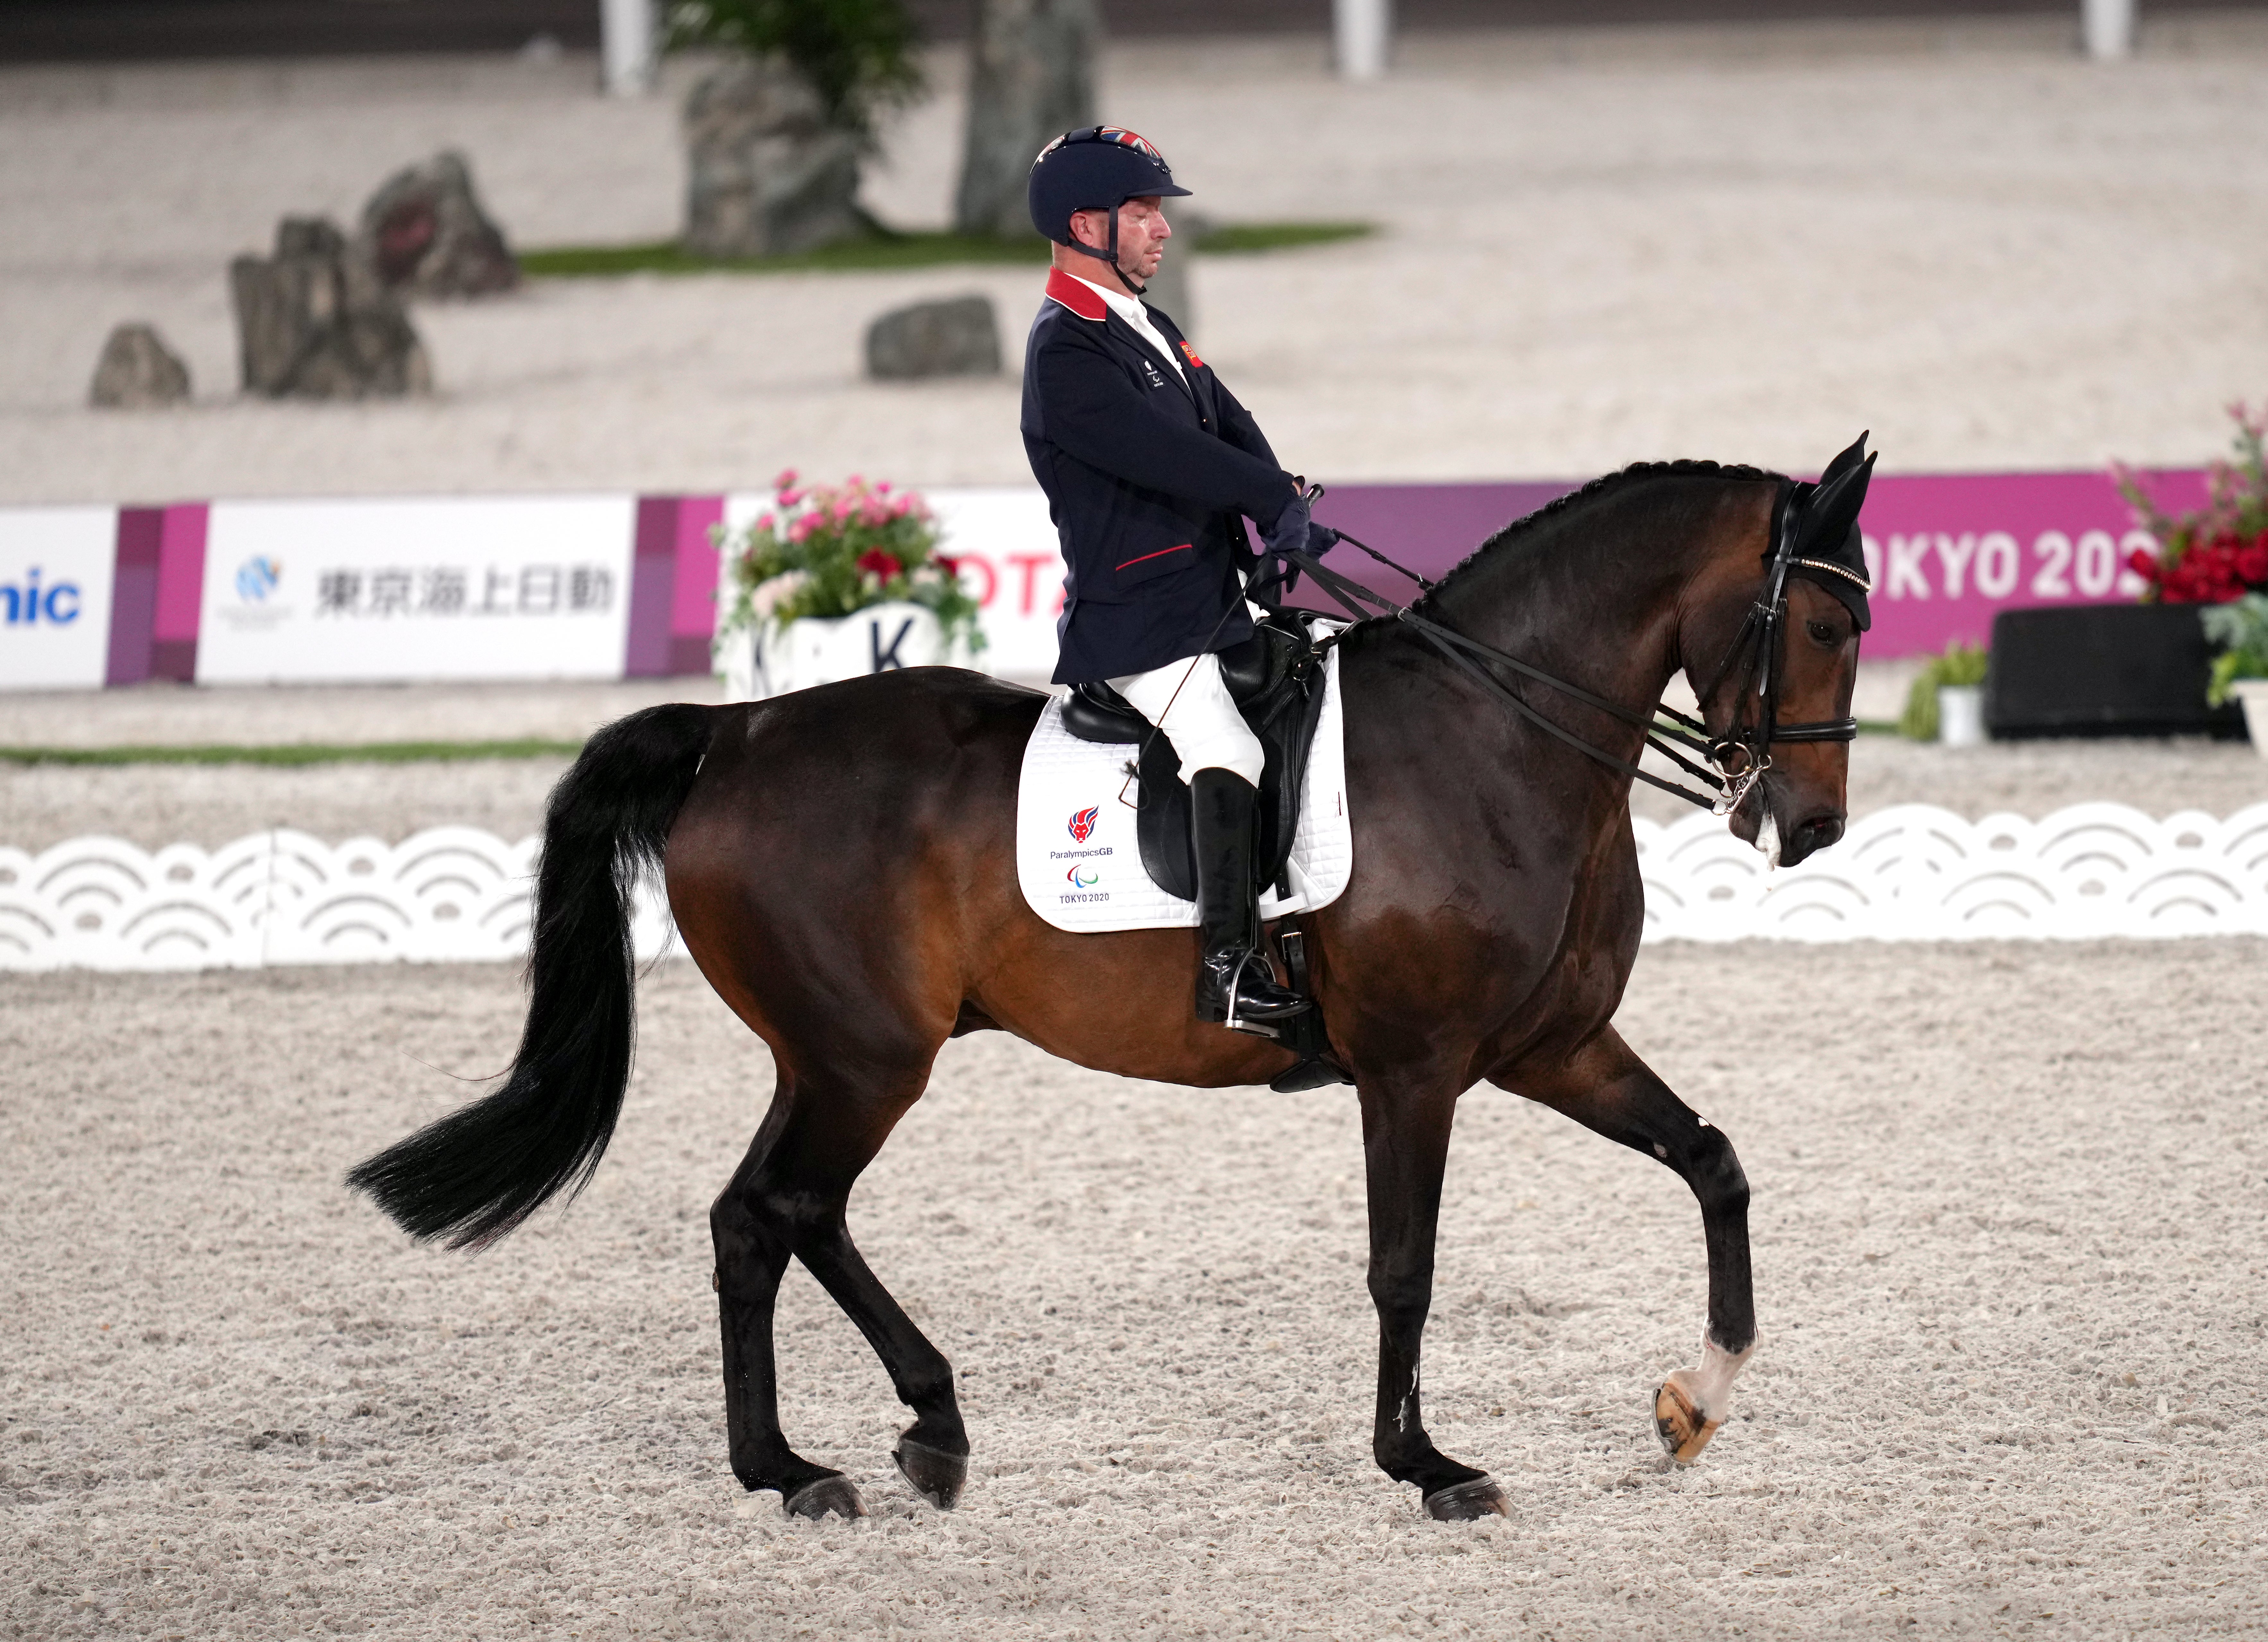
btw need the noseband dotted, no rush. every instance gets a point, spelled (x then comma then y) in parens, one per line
(1666, 730)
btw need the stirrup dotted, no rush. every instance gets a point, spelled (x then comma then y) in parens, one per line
(1258, 1029)
(1232, 1014)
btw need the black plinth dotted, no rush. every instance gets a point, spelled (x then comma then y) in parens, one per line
(2118, 669)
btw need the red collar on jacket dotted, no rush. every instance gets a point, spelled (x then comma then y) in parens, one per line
(1077, 295)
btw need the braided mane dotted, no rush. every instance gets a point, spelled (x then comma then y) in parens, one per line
(1598, 487)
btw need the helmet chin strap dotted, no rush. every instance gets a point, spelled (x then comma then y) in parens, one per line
(1109, 254)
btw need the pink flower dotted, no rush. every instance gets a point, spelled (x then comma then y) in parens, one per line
(789, 498)
(786, 480)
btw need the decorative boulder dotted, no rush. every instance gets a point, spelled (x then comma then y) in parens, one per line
(313, 322)
(138, 371)
(768, 173)
(955, 337)
(425, 234)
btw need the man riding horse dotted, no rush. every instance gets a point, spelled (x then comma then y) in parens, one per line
(1151, 467)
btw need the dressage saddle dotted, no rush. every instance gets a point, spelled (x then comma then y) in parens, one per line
(1276, 679)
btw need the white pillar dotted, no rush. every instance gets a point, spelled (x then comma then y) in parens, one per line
(2109, 27)
(1363, 35)
(626, 46)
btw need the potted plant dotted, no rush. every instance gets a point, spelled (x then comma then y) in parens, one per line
(1947, 701)
(2241, 669)
(834, 582)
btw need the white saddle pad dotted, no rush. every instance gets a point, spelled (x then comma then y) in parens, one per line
(1079, 860)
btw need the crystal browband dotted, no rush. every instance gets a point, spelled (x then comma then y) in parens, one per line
(1843, 570)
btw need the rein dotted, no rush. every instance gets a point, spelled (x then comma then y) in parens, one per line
(1758, 639)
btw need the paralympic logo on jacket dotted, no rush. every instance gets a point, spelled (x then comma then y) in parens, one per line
(1082, 823)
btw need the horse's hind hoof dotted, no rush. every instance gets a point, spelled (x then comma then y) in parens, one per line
(829, 1495)
(1678, 1421)
(936, 1475)
(1468, 1502)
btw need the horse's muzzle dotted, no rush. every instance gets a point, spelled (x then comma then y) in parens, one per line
(1809, 836)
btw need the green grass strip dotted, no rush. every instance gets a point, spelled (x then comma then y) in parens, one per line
(291, 755)
(1246, 238)
(889, 251)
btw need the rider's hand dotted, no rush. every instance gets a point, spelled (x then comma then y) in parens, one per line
(1289, 533)
(1321, 540)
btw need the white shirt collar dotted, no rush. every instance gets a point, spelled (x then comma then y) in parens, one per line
(1130, 309)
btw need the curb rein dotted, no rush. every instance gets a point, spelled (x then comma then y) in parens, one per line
(1758, 639)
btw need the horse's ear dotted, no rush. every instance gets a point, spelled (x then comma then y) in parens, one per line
(1845, 462)
(1842, 492)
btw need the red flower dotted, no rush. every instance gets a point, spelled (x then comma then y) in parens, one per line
(948, 567)
(2145, 564)
(884, 565)
(2252, 560)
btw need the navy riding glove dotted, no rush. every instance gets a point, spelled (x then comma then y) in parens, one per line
(1289, 533)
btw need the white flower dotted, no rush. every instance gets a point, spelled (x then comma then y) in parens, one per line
(768, 596)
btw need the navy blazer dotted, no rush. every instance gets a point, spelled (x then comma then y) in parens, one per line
(1149, 479)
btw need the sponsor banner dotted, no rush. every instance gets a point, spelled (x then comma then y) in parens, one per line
(506, 587)
(1949, 552)
(56, 577)
(531, 587)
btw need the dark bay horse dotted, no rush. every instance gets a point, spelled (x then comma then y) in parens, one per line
(839, 863)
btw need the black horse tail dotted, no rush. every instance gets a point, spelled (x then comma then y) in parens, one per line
(474, 1175)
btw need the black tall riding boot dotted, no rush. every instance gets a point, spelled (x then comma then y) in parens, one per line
(1235, 983)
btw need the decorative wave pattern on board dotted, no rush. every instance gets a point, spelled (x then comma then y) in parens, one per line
(451, 894)
(457, 894)
(1918, 872)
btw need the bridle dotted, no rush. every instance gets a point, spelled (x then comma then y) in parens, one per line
(1754, 649)
(1759, 640)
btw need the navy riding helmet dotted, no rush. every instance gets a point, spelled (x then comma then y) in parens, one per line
(1096, 168)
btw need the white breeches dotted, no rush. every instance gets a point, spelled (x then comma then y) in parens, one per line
(1188, 701)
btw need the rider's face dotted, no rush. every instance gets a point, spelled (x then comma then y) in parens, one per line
(1142, 233)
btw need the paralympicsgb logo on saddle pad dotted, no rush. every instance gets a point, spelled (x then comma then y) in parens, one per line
(1082, 823)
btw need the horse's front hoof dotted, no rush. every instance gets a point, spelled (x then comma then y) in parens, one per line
(1468, 1502)
(1678, 1421)
(936, 1475)
(829, 1495)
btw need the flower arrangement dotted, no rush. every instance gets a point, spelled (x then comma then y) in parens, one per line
(2219, 552)
(821, 553)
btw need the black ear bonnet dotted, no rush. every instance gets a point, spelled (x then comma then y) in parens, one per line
(1824, 519)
